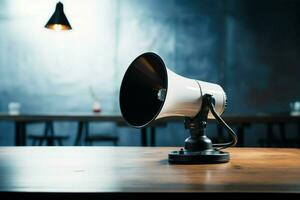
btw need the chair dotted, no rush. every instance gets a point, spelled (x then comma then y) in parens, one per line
(271, 140)
(49, 137)
(89, 138)
(101, 137)
(240, 132)
(282, 140)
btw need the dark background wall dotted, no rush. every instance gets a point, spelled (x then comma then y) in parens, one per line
(263, 55)
(250, 47)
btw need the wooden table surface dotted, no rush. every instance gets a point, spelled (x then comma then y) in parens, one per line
(145, 169)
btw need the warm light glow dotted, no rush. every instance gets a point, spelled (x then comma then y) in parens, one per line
(58, 27)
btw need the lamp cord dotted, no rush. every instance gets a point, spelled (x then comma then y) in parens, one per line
(228, 129)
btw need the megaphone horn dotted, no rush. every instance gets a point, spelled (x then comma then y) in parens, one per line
(149, 91)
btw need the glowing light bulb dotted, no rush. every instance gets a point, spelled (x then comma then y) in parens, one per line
(57, 27)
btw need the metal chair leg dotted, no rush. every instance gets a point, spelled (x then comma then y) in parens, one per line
(86, 132)
(144, 137)
(78, 139)
(270, 138)
(40, 142)
(283, 139)
(59, 141)
(152, 135)
(34, 141)
(115, 143)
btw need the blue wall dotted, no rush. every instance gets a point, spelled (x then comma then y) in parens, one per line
(249, 47)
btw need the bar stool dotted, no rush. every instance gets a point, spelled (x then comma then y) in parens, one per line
(49, 137)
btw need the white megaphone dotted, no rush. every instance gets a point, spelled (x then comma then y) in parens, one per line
(150, 91)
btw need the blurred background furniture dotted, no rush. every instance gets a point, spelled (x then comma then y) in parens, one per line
(49, 136)
(88, 138)
(20, 122)
(241, 123)
(281, 139)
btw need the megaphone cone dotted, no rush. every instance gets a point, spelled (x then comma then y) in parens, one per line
(150, 91)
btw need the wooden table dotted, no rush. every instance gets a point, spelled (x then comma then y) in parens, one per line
(98, 170)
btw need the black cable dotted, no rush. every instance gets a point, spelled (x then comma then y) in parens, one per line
(229, 130)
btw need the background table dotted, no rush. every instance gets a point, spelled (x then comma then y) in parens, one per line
(81, 118)
(98, 170)
(240, 121)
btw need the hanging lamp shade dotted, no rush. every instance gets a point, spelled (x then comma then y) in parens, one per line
(58, 20)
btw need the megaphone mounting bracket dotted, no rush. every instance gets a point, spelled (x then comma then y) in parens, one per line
(198, 147)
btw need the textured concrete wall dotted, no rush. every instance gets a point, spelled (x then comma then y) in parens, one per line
(263, 60)
(249, 47)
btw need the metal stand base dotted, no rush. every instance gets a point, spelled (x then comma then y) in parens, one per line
(198, 157)
(198, 147)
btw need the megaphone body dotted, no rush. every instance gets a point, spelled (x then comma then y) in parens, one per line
(184, 96)
(150, 91)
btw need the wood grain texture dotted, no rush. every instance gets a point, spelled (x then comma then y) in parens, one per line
(145, 169)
